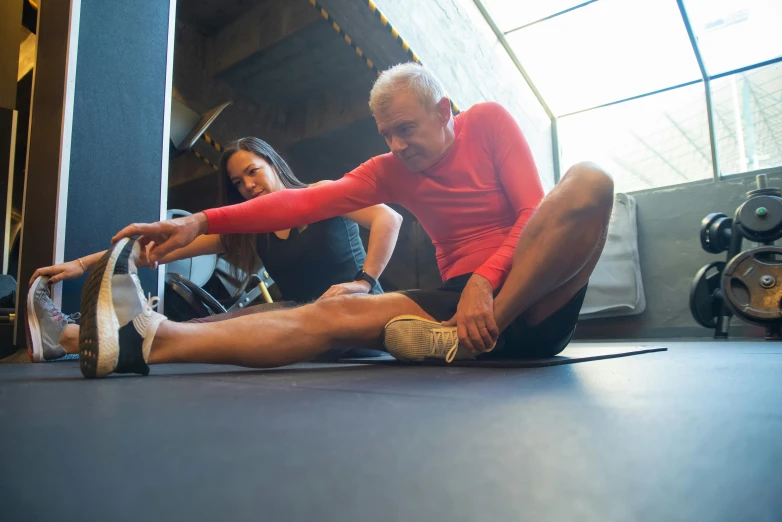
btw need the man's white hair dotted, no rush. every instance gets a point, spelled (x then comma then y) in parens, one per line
(410, 77)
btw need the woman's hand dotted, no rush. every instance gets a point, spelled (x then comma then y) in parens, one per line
(57, 273)
(353, 287)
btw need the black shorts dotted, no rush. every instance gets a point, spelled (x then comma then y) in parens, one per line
(518, 340)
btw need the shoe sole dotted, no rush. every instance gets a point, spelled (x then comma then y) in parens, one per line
(34, 349)
(99, 328)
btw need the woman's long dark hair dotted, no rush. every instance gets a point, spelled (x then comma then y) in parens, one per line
(240, 249)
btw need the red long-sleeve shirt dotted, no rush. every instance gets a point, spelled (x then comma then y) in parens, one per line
(473, 203)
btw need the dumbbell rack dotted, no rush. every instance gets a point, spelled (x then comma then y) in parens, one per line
(749, 283)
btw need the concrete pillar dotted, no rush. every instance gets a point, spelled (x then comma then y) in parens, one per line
(98, 144)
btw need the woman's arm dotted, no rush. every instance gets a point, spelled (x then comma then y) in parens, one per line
(203, 245)
(383, 224)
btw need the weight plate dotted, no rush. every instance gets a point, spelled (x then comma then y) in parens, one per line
(719, 235)
(752, 285)
(761, 218)
(772, 191)
(705, 294)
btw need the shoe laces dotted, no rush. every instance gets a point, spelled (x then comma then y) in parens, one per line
(57, 315)
(445, 341)
(151, 302)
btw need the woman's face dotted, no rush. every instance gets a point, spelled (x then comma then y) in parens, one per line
(252, 175)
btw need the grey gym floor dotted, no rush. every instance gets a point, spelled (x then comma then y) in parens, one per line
(692, 434)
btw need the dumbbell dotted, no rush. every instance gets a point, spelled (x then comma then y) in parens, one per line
(716, 230)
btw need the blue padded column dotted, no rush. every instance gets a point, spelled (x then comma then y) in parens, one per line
(118, 167)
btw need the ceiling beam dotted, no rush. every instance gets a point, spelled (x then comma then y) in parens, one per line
(264, 25)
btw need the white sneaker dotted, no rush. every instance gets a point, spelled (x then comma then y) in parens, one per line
(117, 322)
(413, 338)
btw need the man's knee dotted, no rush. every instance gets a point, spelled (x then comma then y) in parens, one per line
(366, 306)
(360, 317)
(339, 304)
(594, 187)
(348, 306)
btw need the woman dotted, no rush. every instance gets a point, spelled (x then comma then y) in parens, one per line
(321, 260)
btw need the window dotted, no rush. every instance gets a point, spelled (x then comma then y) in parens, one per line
(748, 119)
(654, 141)
(606, 51)
(736, 33)
(624, 82)
(512, 14)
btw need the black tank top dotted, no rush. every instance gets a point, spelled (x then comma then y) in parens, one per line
(309, 262)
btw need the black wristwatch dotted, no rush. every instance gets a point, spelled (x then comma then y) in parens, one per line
(363, 276)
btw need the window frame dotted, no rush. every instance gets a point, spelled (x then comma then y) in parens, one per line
(706, 78)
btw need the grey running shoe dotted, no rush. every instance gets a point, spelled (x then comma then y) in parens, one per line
(118, 323)
(413, 338)
(45, 323)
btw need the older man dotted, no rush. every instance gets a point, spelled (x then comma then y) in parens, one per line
(515, 264)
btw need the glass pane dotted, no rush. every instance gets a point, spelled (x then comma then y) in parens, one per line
(650, 142)
(748, 119)
(510, 14)
(736, 33)
(606, 51)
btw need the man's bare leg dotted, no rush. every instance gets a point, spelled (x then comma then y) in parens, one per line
(559, 247)
(69, 339)
(282, 337)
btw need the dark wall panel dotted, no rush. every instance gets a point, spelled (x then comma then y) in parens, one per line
(10, 31)
(196, 195)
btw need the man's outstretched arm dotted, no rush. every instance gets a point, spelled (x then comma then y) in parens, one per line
(282, 210)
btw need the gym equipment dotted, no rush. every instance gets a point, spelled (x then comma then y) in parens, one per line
(752, 284)
(706, 294)
(185, 300)
(570, 355)
(185, 295)
(749, 283)
(197, 269)
(716, 232)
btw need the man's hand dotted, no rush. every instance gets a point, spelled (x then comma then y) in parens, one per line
(167, 236)
(353, 287)
(474, 319)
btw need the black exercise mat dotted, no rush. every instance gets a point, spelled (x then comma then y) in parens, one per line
(569, 356)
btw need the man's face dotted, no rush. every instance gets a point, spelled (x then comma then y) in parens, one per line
(416, 137)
